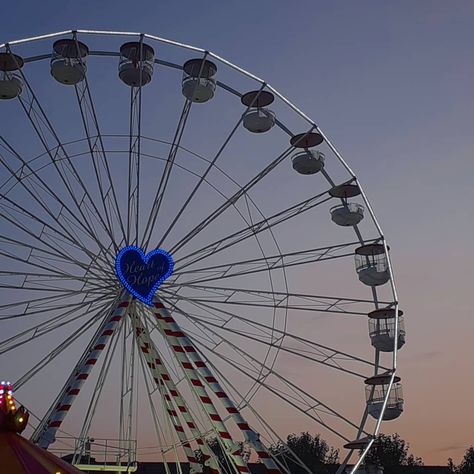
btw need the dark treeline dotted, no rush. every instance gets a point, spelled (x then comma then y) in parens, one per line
(389, 452)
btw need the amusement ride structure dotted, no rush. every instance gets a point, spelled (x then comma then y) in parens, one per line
(177, 262)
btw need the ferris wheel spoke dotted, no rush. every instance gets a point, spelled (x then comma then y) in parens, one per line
(134, 164)
(258, 377)
(248, 199)
(231, 201)
(44, 303)
(99, 157)
(51, 324)
(43, 262)
(87, 285)
(274, 338)
(25, 304)
(248, 267)
(276, 299)
(57, 276)
(52, 251)
(57, 296)
(295, 396)
(160, 192)
(49, 270)
(314, 409)
(63, 345)
(54, 275)
(19, 225)
(330, 358)
(253, 229)
(219, 319)
(65, 171)
(210, 166)
(37, 183)
(28, 216)
(32, 288)
(49, 288)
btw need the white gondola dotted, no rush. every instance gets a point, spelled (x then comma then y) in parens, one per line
(372, 264)
(11, 83)
(382, 329)
(308, 161)
(347, 214)
(136, 63)
(199, 81)
(68, 61)
(376, 391)
(258, 119)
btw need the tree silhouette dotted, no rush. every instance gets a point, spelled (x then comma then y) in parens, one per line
(224, 461)
(391, 452)
(312, 451)
(467, 464)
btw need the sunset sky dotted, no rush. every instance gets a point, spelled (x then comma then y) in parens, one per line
(392, 84)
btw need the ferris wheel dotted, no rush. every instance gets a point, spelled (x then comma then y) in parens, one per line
(177, 261)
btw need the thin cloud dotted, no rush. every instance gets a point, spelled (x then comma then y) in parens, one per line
(453, 447)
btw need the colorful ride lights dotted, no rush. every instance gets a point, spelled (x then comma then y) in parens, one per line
(11, 418)
(7, 403)
(142, 274)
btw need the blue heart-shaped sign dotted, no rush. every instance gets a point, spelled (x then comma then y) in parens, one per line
(142, 274)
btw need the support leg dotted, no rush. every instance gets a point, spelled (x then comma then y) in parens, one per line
(45, 433)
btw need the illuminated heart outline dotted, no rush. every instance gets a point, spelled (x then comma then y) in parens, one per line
(147, 299)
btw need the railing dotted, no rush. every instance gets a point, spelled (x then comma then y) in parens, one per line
(99, 455)
(386, 326)
(353, 207)
(378, 262)
(377, 395)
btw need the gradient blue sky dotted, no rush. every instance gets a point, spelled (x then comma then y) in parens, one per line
(391, 83)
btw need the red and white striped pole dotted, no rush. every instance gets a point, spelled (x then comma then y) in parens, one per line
(173, 332)
(46, 431)
(158, 372)
(172, 393)
(172, 337)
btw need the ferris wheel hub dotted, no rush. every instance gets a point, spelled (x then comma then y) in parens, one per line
(141, 274)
